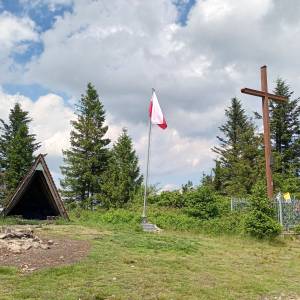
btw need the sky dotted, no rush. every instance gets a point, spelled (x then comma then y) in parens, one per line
(197, 54)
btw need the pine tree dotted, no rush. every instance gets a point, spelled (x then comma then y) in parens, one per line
(285, 131)
(122, 178)
(17, 147)
(238, 164)
(87, 158)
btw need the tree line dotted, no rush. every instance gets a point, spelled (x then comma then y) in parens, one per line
(93, 173)
(240, 165)
(96, 174)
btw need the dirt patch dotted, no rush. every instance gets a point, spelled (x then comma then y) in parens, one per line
(28, 252)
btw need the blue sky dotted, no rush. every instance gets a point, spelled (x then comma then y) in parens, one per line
(44, 18)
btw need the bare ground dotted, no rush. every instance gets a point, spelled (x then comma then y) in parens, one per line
(62, 252)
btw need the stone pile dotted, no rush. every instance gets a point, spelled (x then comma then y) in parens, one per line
(20, 240)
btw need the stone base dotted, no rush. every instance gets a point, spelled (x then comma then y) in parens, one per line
(148, 227)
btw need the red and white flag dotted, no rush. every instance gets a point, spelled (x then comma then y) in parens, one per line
(155, 113)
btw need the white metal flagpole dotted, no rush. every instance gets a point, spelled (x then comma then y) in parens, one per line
(144, 216)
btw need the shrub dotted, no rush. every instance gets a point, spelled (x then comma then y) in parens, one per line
(174, 219)
(202, 203)
(260, 225)
(169, 199)
(260, 222)
(223, 204)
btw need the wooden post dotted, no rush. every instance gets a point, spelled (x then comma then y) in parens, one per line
(267, 139)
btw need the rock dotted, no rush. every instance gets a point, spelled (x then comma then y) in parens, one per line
(44, 246)
(15, 248)
(18, 240)
(26, 247)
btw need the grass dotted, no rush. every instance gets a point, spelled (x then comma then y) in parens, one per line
(125, 263)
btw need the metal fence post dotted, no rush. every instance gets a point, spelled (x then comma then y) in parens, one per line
(280, 208)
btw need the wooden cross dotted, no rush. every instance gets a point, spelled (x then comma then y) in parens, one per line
(266, 122)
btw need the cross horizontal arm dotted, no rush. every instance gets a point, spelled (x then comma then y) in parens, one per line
(263, 94)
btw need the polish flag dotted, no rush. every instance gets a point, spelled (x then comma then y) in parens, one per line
(155, 112)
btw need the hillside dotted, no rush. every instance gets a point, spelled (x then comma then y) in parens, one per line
(125, 263)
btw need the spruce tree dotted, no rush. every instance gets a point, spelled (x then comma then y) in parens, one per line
(285, 131)
(17, 147)
(238, 163)
(218, 176)
(122, 178)
(86, 160)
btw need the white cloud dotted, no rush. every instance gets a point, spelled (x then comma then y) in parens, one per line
(15, 34)
(14, 30)
(127, 47)
(171, 154)
(51, 120)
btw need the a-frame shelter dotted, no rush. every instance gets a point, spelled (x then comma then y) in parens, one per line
(36, 197)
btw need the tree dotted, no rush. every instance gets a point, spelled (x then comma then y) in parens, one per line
(86, 160)
(285, 131)
(187, 186)
(239, 161)
(218, 175)
(17, 147)
(122, 178)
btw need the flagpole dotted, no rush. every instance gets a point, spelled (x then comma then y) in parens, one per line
(144, 216)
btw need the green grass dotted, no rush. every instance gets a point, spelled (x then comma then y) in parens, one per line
(125, 263)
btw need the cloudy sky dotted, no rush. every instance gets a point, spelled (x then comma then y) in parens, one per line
(196, 53)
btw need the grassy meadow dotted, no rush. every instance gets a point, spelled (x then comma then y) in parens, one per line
(181, 262)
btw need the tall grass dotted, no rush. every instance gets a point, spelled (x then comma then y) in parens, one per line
(166, 218)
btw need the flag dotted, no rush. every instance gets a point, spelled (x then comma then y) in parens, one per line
(287, 196)
(155, 112)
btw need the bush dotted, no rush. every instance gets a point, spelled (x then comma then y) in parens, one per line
(260, 225)
(201, 203)
(223, 204)
(260, 222)
(169, 199)
(174, 219)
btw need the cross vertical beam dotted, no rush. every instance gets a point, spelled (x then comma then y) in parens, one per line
(264, 94)
(266, 122)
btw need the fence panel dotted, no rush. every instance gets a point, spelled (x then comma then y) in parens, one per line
(238, 204)
(287, 212)
(290, 211)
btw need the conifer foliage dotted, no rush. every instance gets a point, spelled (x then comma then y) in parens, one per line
(238, 163)
(122, 178)
(17, 147)
(86, 160)
(285, 131)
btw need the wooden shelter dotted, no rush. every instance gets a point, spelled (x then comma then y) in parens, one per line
(36, 197)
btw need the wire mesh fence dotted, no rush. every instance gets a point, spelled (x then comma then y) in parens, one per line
(287, 211)
(239, 204)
